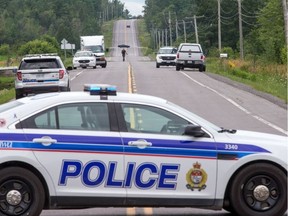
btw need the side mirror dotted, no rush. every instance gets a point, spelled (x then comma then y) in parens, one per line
(194, 130)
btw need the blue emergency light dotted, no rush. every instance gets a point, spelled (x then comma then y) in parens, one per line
(100, 89)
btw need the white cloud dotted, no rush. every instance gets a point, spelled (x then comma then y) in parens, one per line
(135, 7)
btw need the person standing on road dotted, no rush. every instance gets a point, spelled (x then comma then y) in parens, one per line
(124, 52)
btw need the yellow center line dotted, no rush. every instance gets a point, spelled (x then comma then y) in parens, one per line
(148, 211)
(131, 211)
(130, 90)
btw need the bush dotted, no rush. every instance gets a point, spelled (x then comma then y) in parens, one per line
(229, 51)
(4, 49)
(284, 55)
(37, 47)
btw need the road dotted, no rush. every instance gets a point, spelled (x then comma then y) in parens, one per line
(221, 103)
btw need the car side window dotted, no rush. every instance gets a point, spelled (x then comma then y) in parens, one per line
(148, 119)
(87, 116)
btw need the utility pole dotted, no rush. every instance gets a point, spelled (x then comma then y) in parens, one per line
(159, 39)
(195, 26)
(240, 30)
(170, 28)
(196, 30)
(219, 27)
(166, 37)
(184, 31)
(285, 11)
(163, 37)
(176, 25)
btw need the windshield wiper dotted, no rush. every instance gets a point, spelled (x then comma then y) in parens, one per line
(223, 130)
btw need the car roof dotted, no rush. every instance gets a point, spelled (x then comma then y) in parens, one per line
(195, 44)
(31, 104)
(78, 96)
(39, 56)
(167, 47)
(84, 51)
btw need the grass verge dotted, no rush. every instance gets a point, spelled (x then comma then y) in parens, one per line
(7, 91)
(6, 95)
(268, 78)
(145, 39)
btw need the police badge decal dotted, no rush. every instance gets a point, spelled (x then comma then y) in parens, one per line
(196, 178)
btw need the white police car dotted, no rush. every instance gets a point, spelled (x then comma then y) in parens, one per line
(104, 148)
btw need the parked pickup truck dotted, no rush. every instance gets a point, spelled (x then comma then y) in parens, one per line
(190, 55)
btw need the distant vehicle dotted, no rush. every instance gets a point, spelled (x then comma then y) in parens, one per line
(190, 55)
(128, 26)
(84, 59)
(96, 44)
(166, 56)
(103, 148)
(39, 73)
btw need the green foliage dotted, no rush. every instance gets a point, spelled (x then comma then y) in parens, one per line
(4, 49)
(6, 82)
(229, 51)
(262, 22)
(284, 53)
(22, 21)
(37, 46)
(271, 79)
(144, 38)
(6, 95)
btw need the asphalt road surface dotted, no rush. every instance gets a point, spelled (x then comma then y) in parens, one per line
(221, 101)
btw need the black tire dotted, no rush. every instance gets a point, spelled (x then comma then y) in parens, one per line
(157, 65)
(178, 67)
(273, 185)
(18, 94)
(20, 182)
(94, 67)
(104, 66)
(201, 68)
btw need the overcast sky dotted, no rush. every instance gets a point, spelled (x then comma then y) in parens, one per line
(134, 6)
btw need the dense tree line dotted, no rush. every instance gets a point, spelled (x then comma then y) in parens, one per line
(22, 21)
(262, 22)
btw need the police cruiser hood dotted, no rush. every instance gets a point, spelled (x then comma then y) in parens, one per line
(270, 141)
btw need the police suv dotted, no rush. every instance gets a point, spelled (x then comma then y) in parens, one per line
(101, 148)
(39, 73)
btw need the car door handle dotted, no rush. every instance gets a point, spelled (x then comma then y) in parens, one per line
(140, 143)
(45, 140)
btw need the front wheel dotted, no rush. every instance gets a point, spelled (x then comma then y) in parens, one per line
(259, 189)
(18, 94)
(21, 192)
(178, 67)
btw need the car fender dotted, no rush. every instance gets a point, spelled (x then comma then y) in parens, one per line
(230, 168)
(27, 158)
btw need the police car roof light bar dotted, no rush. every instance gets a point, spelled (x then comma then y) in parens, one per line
(100, 89)
(40, 55)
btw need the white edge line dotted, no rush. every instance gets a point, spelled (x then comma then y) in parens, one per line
(78, 74)
(238, 106)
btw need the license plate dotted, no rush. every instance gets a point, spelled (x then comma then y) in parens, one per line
(189, 62)
(39, 76)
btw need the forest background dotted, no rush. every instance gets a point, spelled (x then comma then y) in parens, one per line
(33, 26)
